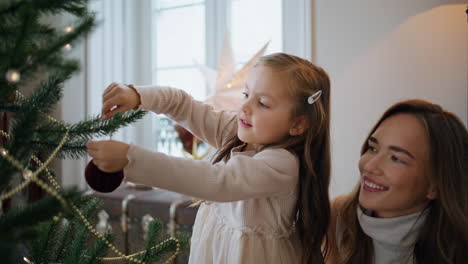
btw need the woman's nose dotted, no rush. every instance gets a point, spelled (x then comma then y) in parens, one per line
(374, 163)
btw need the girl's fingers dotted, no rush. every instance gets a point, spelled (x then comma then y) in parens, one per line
(97, 162)
(113, 111)
(110, 87)
(110, 104)
(92, 153)
(110, 113)
(92, 145)
(109, 95)
(92, 148)
(112, 91)
(118, 109)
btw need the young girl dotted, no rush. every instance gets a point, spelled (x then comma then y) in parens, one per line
(411, 205)
(267, 188)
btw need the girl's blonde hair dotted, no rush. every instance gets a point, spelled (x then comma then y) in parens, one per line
(312, 149)
(444, 234)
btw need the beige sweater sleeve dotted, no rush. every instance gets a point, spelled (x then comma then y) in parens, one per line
(269, 173)
(209, 125)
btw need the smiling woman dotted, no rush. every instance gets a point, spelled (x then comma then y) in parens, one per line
(410, 205)
(393, 169)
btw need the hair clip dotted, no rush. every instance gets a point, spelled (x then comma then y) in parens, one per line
(313, 98)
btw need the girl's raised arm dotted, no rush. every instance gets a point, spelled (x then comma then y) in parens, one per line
(209, 125)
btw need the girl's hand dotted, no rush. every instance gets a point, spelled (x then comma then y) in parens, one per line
(109, 155)
(118, 98)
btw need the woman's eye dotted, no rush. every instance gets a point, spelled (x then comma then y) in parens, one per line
(396, 159)
(371, 149)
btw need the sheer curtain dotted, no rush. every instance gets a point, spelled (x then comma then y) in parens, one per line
(119, 51)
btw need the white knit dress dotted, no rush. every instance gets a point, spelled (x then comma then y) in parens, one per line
(248, 216)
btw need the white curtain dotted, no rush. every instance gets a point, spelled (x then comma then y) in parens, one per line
(119, 51)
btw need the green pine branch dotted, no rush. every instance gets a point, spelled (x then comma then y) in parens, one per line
(164, 248)
(78, 244)
(76, 7)
(19, 223)
(154, 229)
(94, 127)
(9, 107)
(49, 134)
(25, 121)
(95, 251)
(40, 57)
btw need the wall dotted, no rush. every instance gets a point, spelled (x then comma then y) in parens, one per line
(378, 52)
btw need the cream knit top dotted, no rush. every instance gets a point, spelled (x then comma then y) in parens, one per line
(250, 208)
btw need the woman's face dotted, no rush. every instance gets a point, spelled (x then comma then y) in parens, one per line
(394, 180)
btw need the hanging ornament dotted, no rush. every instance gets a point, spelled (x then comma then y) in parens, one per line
(101, 181)
(13, 76)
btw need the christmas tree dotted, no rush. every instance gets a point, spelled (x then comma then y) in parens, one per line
(58, 227)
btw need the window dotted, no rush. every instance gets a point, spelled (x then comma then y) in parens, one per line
(163, 41)
(188, 32)
(178, 41)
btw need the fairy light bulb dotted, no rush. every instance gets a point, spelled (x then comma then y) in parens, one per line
(67, 47)
(68, 29)
(3, 152)
(27, 174)
(13, 76)
(27, 260)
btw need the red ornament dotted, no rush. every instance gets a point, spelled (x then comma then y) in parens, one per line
(186, 138)
(101, 181)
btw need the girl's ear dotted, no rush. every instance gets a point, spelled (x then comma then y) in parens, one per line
(299, 126)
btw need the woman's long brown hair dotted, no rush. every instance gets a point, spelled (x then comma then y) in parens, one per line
(311, 148)
(444, 235)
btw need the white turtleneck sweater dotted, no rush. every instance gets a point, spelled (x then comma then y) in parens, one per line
(393, 238)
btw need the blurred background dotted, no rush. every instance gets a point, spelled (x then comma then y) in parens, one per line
(376, 52)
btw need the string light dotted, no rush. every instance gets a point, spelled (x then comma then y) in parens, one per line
(27, 260)
(68, 29)
(27, 174)
(67, 47)
(13, 76)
